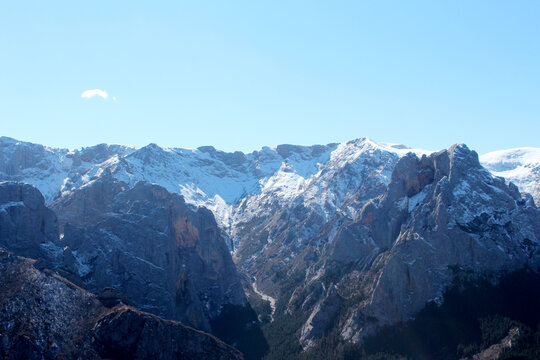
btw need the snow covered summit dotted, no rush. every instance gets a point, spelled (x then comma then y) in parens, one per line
(520, 166)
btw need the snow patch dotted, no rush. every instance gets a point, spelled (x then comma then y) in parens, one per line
(4, 207)
(417, 199)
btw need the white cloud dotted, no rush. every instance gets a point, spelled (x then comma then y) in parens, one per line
(87, 94)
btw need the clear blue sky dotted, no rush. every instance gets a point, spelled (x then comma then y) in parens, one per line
(242, 74)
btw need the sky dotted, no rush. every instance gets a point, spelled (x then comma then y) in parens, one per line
(240, 75)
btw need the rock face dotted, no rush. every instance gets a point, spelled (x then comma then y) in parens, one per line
(283, 228)
(43, 316)
(166, 257)
(27, 226)
(439, 214)
(494, 351)
(141, 246)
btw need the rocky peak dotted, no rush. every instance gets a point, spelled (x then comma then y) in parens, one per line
(98, 153)
(151, 154)
(27, 226)
(161, 240)
(438, 212)
(168, 258)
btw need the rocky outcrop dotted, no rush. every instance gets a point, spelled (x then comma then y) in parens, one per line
(321, 318)
(281, 231)
(43, 316)
(140, 246)
(439, 214)
(167, 258)
(27, 226)
(128, 333)
(494, 351)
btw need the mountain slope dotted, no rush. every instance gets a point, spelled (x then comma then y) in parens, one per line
(356, 235)
(51, 170)
(167, 258)
(438, 214)
(521, 166)
(27, 226)
(43, 316)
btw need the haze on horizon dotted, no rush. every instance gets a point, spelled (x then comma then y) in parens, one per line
(245, 75)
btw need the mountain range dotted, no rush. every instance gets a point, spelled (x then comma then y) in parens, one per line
(340, 238)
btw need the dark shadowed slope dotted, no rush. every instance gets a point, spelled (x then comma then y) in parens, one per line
(43, 316)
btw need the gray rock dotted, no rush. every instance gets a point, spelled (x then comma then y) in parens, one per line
(438, 214)
(27, 226)
(321, 318)
(167, 258)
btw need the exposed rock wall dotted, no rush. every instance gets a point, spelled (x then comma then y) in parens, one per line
(27, 226)
(439, 213)
(168, 258)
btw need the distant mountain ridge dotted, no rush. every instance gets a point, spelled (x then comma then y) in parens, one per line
(520, 166)
(215, 179)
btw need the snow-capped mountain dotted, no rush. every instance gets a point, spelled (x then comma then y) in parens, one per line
(238, 187)
(204, 176)
(326, 233)
(51, 169)
(438, 214)
(520, 166)
(273, 227)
